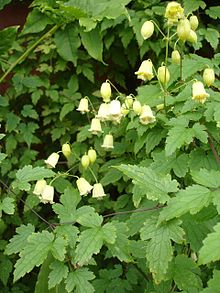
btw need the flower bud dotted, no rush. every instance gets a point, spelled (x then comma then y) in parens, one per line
(52, 160)
(137, 107)
(174, 11)
(47, 194)
(103, 112)
(129, 101)
(115, 108)
(83, 106)
(183, 29)
(124, 109)
(198, 92)
(208, 76)
(85, 161)
(66, 150)
(146, 116)
(160, 107)
(92, 156)
(98, 191)
(106, 91)
(39, 187)
(108, 142)
(192, 37)
(163, 74)
(175, 56)
(193, 22)
(145, 71)
(95, 127)
(83, 186)
(147, 29)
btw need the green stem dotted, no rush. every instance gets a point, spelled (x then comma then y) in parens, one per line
(158, 28)
(93, 174)
(107, 80)
(28, 51)
(167, 52)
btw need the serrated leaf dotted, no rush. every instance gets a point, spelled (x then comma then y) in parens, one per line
(78, 281)
(156, 186)
(92, 42)
(86, 216)
(200, 132)
(36, 22)
(16, 244)
(7, 205)
(180, 165)
(159, 248)
(213, 284)
(59, 271)
(109, 233)
(212, 36)
(67, 42)
(34, 253)
(58, 248)
(28, 111)
(28, 173)
(7, 267)
(68, 232)
(90, 242)
(186, 273)
(67, 108)
(210, 249)
(177, 137)
(213, 12)
(192, 200)
(154, 138)
(66, 210)
(190, 6)
(110, 176)
(208, 178)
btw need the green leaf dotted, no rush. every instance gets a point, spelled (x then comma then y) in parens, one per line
(68, 232)
(7, 266)
(67, 42)
(78, 281)
(109, 233)
(213, 12)
(16, 244)
(210, 249)
(34, 253)
(110, 176)
(7, 37)
(3, 3)
(58, 248)
(7, 205)
(153, 138)
(59, 271)
(67, 108)
(28, 111)
(12, 121)
(36, 22)
(213, 284)
(186, 273)
(190, 6)
(92, 42)
(66, 210)
(192, 200)
(208, 178)
(159, 247)
(90, 242)
(86, 216)
(177, 137)
(212, 36)
(156, 186)
(200, 132)
(180, 165)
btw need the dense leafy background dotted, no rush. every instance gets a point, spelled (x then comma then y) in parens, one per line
(64, 52)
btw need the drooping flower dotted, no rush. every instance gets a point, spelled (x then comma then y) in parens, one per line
(175, 56)
(66, 150)
(83, 186)
(39, 187)
(129, 101)
(115, 109)
(83, 106)
(163, 74)
(193, 22)
(95, 127)
(145, 71)
(147, 29)
(106, 91)
(103, 112)
(98, 191)
(52, 160)
(208, 76)
(192, 37)
(147, 116)
(183, 29)
(174, 12)
(108, 142)
(137, 107)
(198, 92)
(47, 194)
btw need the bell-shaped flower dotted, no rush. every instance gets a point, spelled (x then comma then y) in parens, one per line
(52, 160)
(198, 92)
(209, 76)
(103, 112)
(39, 187)
(174, 11)
(147, 29)
(137, 107)
(146, 116)
(145, 71)
(163, 74)
(129, 101)
(66, 150)
(47, 194)
(95, 127)
(106, 91)
(98, 191)
(83, 106)
(108, 142)
(83, 186)
(115, 109)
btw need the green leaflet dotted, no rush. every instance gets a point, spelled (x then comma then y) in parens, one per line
(213, 284)
(79, 281)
